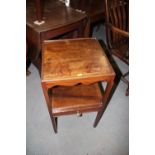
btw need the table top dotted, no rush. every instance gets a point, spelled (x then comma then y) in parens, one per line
(92, 7)
(74, 59)
(55, 15)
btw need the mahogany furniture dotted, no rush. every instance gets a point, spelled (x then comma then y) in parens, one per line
(72, 70)
(94, 9)
(27, 60)
(59, 22)
(117, 31)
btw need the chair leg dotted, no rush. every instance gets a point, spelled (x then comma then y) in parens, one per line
(127, 91)
(127, 82)
(127, 73)
(28, 72)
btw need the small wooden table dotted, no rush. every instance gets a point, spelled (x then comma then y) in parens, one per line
(71, 72)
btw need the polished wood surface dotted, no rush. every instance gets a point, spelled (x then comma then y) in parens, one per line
(73, 99)
(94, 9)
(59, 22)
(91, 7)
(56, 15)
(117, 31)
(72, 70)
(64, 59)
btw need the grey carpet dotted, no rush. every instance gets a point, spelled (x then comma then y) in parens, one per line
(76, 135)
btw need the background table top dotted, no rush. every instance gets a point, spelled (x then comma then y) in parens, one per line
(55, 15)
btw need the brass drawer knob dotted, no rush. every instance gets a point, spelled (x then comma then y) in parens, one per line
(79, 114)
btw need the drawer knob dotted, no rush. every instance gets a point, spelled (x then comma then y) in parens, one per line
(79, 114)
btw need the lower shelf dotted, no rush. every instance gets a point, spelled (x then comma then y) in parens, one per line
(75, 99)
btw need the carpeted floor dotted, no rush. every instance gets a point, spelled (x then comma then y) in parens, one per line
(76, 135)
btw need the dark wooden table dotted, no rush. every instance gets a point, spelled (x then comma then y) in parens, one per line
(72, 72)
(95, 10)
(59, 21)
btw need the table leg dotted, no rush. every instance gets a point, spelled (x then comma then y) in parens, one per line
(105, 100)
(87, 29)
(53, 119)
(54, 122)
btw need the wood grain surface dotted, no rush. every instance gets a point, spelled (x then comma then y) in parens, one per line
(74, 59)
